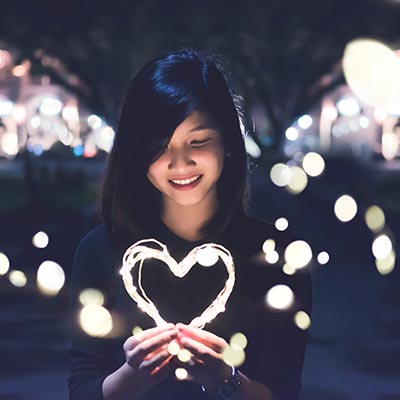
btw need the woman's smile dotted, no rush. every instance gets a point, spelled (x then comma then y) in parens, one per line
(185, 184)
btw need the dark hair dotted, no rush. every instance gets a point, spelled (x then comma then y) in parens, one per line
(162, 94)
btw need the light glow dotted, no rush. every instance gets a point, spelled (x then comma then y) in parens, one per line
(50, 278)
(281, 224)
(280, 174)
(313, 164)
(17, 278)
(280, 297)
(4, 264)
(345, 208)
(298, 254)
(323, 258)
(381, 246)
(40, 240)
(96, 320)
(375, 218)
(302, 320)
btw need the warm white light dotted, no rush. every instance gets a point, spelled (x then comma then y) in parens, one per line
(375, 218)
(372, 71)
(234, 355)
(50, 106)
(348, 106)
(94, 121)
(298, 181)
(364, 122)
(345, 208)
(184, 355)
(281, 224)
(288, 269)
(323, 257)
(280, 174)
(381, 246)
(302, 320)
(50, 278)
(95, 320)
(386, 265)
(19, 113)
(9, 143)
(6, 107)
(173, 348)
(291, 133)
(313, 164)
(17, 278)
(298, 254)
(305, 121)
(238, 339)
(91, 296)
(207, 257)
(35, 122)
(136, 330)
(390, 145)
(4, 264)
(181, 374)
(40, 240)
(268, 245)
(272, 257)
(280, 297)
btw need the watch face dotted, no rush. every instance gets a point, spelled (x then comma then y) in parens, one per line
(229, 389)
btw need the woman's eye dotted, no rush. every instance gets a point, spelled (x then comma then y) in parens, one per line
(199, 142)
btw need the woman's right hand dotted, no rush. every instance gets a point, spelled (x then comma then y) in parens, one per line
(147, 354)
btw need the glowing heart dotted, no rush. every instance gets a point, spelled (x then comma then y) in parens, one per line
(206, 254)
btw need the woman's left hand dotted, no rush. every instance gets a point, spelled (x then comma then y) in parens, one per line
(207, 366)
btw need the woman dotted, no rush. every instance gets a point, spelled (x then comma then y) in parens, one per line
(177, 173)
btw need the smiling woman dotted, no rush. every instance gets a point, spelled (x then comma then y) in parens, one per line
(177, 173)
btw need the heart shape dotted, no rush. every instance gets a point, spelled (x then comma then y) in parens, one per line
(139, 252)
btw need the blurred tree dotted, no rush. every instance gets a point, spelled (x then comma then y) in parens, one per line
(283, 54)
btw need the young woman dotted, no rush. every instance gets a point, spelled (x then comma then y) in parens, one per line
(177, 173)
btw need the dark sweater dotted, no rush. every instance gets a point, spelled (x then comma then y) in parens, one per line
(276, 346)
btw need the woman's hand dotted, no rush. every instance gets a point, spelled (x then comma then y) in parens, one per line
(207, 366)
(146, 353)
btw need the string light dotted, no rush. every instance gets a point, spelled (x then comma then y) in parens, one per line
(139, 252)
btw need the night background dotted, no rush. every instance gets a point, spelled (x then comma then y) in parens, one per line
(305, 87)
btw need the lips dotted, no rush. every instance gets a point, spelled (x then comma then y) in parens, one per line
(186, 183)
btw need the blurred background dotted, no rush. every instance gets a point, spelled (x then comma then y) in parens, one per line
(320, 88)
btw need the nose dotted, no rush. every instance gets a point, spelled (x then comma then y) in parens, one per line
(180, 159)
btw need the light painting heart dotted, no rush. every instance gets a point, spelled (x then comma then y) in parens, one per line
(139, 252)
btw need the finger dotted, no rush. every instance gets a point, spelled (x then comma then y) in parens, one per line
(207, 338)
(148, 346)
(200, 351)
(134, 340)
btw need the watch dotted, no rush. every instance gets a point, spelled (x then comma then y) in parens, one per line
(229, 388)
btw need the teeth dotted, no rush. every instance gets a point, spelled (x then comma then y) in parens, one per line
(186, 181)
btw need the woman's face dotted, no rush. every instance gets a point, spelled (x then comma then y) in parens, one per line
(187, 171)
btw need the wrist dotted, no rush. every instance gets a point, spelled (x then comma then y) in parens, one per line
(228, 389)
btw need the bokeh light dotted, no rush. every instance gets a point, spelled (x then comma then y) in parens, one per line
(292, 133)
(173, 348)
(17, 278)
(386, 265)
(91, 296)
(298, 181)
(302, 320)
(268, 245)
(279, 297)
(281, 224)
(136, 330)
(181, 374)
(234, 355)
(288, 269)
(4, 264)
(305, 121)
(313, 164)
(345, 208)
(280, 174)
(238, 339)
(372, 71)
(184, 355)
(40, 240)
(381, 246)
(207, 257)
(272, 257)
(96, 320)
(323, 258)
(298, 254)
(375, 218)
(50, 278)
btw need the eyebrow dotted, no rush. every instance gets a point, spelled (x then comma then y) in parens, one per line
(203, 127)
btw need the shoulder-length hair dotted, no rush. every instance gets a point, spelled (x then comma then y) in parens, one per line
(162, 94)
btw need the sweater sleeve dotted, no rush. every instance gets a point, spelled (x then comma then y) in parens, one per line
(92, 359)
